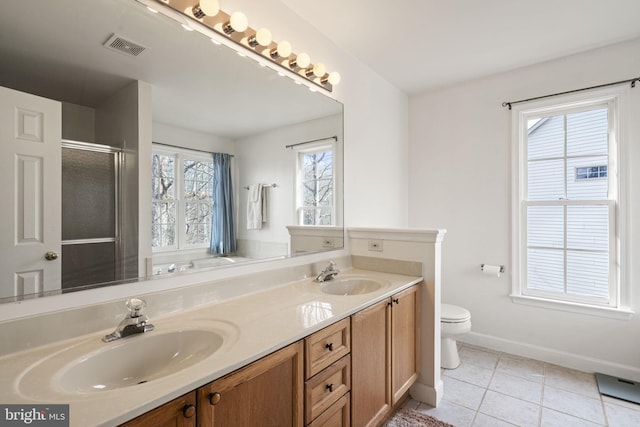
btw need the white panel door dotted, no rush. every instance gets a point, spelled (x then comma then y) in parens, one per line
(30, 191)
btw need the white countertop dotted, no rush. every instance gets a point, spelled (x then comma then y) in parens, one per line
(254, 325)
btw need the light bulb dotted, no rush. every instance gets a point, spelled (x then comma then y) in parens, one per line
(262, 37)
(283, 50)
(333, 78)
(209, 7)
(319, 70)
(237, 22)
(301, 61)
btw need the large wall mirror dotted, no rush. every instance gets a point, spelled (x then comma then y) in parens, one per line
(108, 173)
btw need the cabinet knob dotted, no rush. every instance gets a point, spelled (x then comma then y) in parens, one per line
(329, 346)
(214, 398)
(330, 387)
(189, 411)
(396, 300)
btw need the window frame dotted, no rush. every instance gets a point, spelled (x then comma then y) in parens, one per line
(180, 155)
(328, 145)
(618, 303)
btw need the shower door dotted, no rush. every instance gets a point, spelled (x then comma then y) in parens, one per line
(91, 177)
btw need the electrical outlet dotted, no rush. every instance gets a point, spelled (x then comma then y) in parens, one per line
(328, 243)
(375, 245)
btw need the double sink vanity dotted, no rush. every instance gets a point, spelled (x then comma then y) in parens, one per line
(339, 352)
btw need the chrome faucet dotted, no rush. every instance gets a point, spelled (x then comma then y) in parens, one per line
(133, 323)
(329, 272)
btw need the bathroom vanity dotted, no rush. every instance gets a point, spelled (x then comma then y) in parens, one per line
(299, 353)
(352, 372)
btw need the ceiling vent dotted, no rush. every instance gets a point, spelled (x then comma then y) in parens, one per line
(122, 45)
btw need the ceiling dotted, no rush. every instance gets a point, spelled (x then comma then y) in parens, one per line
(419, 45)
(195, 84)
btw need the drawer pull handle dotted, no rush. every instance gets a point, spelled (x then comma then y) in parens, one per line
(329, 346)
(330, 387)
(396, 300)
(214, 398)
(189, 411)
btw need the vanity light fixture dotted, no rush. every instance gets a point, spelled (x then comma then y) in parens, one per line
(282, 50)
(206, 8)
(302, 61)
(235, 28)
(318, 70)
(237, 22)
(332, 78)
(262, 37)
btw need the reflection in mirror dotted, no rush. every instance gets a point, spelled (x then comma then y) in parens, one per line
(110, 167)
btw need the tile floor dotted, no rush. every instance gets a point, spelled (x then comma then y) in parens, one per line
(492, 389)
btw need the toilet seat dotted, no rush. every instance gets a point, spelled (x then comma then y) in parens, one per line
(454, 314)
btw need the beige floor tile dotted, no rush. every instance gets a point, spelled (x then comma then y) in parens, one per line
(510, 409)
(573, 404)
(471, 374)
(621, 416)
(551, 418)
(483, 420)
(532, 370)
(571, 380)
(462, 393)
(517, 387)
(450, 412)
(477, 356)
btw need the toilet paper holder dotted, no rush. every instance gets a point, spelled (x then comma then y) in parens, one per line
(501, 269)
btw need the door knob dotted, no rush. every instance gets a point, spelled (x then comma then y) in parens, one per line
(51, 255)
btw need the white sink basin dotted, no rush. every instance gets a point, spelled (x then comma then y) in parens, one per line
(351, 286)
(91, 366)
(137, 360)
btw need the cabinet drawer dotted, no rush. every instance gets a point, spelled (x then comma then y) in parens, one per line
(326, 346)
(338, 414)
(324, 389)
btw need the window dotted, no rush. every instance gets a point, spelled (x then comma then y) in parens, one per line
(315, 193)
(591, 172)
(182, 192)
(566, 203)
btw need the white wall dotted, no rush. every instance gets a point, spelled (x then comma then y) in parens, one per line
(188, 138)
(460, 179)
(375, 118)
(263, 158)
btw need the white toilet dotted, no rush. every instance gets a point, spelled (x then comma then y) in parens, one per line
(454, 321)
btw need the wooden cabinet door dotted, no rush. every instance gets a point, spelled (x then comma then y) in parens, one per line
(405, 343)
(180, 412)
(370, 364)
(266, 393)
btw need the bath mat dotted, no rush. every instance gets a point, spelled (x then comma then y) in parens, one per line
(408, 417)
(618, 388)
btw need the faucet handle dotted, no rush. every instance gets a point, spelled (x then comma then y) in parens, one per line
(136, 306)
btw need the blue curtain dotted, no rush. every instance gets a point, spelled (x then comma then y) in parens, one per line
(223, 227)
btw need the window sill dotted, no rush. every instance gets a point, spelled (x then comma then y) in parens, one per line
(612, 313)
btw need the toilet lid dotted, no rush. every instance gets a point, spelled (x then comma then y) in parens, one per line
(454, 314)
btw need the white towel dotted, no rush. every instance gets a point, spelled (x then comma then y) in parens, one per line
(254, 207)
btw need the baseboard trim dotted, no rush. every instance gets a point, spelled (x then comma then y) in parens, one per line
(545, 354)
(426, 393)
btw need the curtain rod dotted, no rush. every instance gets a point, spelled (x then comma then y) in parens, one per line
(334, 137)
(632, 81)
(185, 148)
